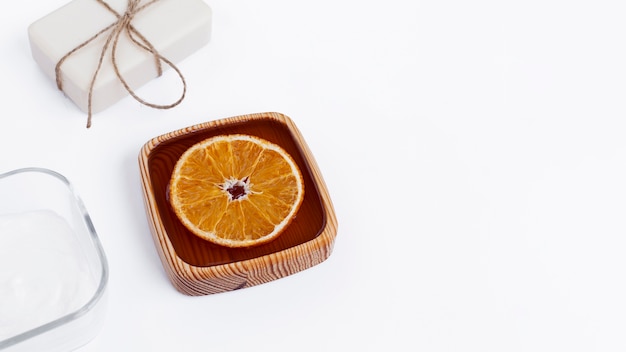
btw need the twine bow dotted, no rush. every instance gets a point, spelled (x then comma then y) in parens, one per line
(122, 25)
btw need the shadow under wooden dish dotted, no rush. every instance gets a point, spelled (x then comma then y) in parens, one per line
(198, 267)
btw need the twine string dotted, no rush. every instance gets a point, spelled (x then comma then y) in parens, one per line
(122, 25)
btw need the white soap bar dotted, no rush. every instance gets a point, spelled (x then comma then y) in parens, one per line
(176, 29)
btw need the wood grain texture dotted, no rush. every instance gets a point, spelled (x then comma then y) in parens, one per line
(197, 267)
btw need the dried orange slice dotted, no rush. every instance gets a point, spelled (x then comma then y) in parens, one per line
(236, 190)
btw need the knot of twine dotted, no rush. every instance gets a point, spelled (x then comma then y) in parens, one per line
(122, 25)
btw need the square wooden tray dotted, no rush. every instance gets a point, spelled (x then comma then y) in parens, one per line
(197, 267)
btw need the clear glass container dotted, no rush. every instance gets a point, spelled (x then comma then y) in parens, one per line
(37, 204)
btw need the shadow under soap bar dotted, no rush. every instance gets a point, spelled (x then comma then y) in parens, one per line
(176, 29)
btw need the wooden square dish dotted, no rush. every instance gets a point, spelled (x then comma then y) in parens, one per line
(198, 267)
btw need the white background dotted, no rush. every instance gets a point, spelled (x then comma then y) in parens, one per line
(474, 152)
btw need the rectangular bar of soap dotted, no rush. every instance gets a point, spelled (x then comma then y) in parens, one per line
(176, 29)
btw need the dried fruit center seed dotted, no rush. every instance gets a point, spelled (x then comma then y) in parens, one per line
(237, 189)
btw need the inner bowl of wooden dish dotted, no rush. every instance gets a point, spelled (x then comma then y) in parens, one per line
(198, 267)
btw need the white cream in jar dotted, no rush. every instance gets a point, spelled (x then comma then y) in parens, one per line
(44, 275)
